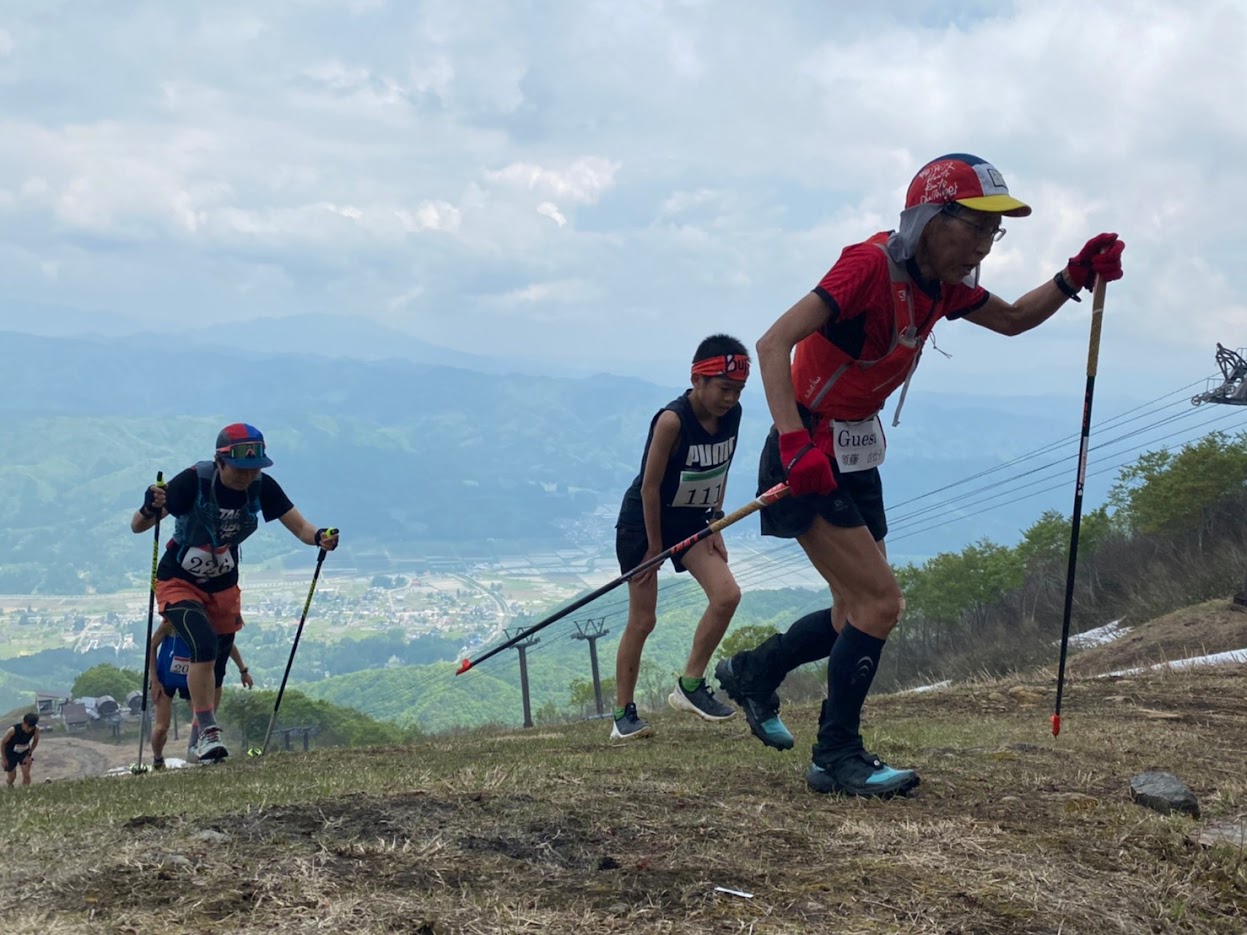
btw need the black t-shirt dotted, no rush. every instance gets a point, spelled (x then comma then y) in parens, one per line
(180, 496)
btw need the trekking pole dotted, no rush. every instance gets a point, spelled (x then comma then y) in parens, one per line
(1093, 355)
(320, 560)
(778, 492)
(138, 767)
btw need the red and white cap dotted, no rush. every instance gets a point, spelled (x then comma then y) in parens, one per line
(965, 180)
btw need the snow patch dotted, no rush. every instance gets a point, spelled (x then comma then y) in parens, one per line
(1099, 636)
(1232, 657)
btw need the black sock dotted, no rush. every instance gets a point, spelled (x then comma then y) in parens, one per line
(809, 639)
(850, 672)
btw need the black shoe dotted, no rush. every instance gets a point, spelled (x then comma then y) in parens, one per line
(862, 774)
(762, 714)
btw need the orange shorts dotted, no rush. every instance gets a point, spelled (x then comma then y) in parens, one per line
(224, 608)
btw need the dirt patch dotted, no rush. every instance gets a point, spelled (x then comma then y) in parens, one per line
(61, 756)
(1201, 630)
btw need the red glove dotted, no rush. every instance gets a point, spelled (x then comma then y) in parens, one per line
(806, 468)
(1101, 256)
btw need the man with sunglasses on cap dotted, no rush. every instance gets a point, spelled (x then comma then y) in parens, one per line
(217, 505)
(828, 364)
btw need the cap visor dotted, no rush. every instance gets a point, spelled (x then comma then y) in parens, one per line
(998, 204)
(249, 464)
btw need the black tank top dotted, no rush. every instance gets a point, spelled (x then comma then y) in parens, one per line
(21, 737)
(696, 472)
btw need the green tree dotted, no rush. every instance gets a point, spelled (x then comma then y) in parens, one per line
(107, 679)
(1167, 492)
(583, 698)
(740, 639)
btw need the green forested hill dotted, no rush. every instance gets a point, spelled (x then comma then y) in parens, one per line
(434, 698)
(407, 458)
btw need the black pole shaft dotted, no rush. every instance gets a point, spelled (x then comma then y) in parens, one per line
(1093, 355)
(151, 616)
(320, 560)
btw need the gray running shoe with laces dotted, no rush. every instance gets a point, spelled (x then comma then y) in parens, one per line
(700, 701)
(630, 726)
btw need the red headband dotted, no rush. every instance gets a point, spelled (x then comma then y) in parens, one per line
(732, 366)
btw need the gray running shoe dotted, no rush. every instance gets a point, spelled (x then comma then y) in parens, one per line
(761, 713)
(701, 701)
(210, 746)
(630, 726)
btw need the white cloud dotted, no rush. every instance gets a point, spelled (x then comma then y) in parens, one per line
(680, 163)
(551, 211)
(583, 181)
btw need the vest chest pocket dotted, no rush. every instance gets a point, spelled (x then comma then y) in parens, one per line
(859, 446)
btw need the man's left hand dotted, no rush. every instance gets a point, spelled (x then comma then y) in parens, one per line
(1100, 256)
(247, 680)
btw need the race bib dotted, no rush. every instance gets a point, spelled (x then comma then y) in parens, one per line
(700, 489)
(859, 446)
(208, 562)
(21, 748)
(180, 666)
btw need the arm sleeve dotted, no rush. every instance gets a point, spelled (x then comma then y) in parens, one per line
(965, 300)
(180, 492)
(849, 286)
(273, 500)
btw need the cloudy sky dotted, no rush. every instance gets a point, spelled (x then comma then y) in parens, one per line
(607, 182)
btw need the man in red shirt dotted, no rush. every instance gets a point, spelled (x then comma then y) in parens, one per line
(828, 364)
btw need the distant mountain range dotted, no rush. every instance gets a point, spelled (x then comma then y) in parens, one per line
(408, 454)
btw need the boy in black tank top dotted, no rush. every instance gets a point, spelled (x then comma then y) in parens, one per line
(678, 491)
(17, 749)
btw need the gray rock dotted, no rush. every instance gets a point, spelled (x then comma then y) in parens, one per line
(1164, 793)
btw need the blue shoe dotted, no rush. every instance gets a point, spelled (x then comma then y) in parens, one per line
(762, 714)
(862, 774)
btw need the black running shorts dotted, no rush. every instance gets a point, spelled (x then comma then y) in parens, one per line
(631, 541)
(857, 501)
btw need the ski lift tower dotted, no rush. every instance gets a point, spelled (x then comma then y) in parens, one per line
(1232, 391)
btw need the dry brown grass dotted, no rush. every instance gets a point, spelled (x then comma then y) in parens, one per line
(1013, 831)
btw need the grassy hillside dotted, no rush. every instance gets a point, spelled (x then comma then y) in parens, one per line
(1210, 627)
(552, 829)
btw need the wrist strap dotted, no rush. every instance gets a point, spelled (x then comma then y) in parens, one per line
(797, 457)
(144, 513)
(1066, 289)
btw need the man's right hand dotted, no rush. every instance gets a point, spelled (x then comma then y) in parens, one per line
(153, 501)
(157, 690)
(805, 467)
